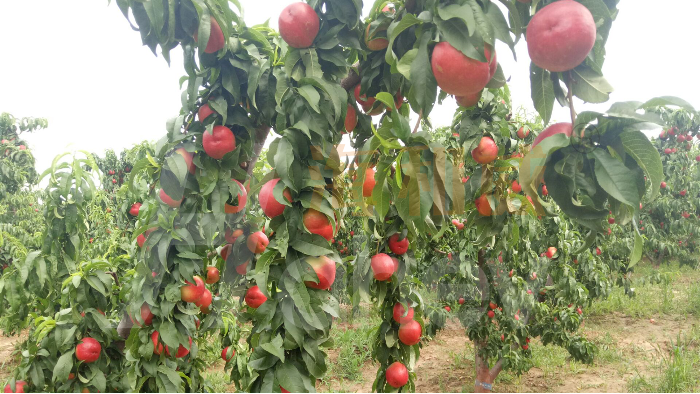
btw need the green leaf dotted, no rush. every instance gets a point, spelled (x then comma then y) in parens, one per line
(589, 86)
(289, 377)
(381, 196)
(483, 27)
(533, 165)
(170, 378)
(310, 60)
(638, 146)
(616, 179)
(311, 245)
(636, 253)
(668, 100)
(597, 8)
(404, 65)
(311, 96)
(500, 25)
(274, 347)
(542, 92)
(463, 12)
(386, 98)
(424, 86)
(63, 366)
(283, 159)
(394, 30)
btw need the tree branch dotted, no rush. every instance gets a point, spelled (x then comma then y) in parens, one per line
(348, 83)
(420, 117)
(483, 280)
(496, 369)
(261, 134)
(570, 97)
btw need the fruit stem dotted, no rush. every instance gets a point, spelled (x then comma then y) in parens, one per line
(570, 97)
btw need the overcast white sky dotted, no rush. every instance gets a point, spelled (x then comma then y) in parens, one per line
(79, 64)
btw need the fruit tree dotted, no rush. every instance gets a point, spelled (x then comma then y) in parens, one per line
(213, 245)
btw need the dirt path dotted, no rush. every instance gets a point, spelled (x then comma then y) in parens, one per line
(629, 348)
(7, 346)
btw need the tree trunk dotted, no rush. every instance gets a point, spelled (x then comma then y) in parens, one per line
(485, 376)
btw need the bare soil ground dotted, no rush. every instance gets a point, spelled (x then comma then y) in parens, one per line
(7, 347)
(629, 349)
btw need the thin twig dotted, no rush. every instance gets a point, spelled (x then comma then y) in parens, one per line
(420, 117)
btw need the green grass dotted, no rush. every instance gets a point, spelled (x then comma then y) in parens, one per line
(354, 348)
(678, 372)
(219, 381)
(677, 294)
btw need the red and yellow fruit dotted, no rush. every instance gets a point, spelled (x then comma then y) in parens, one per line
(397, 375)
(557, 128)
(458, 74)
(134, 210)
(317, 222)
(298, 25)
(254, 297)
(398, 247)
(324, 269)
(257, 242)
(169, 201)
(469, 100)
(88, 350)
(483, 205)
(382, 266)
(19, 387)
(486, 151)
(192, 292)
(212, 275)
(226, 356)
(560, 35)
(216, 37)
(204, 301)
(409, 333)
(242, 199)
(350, 119)
(219, 142)
(269, 204)
(369, 183)
(400, 315)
